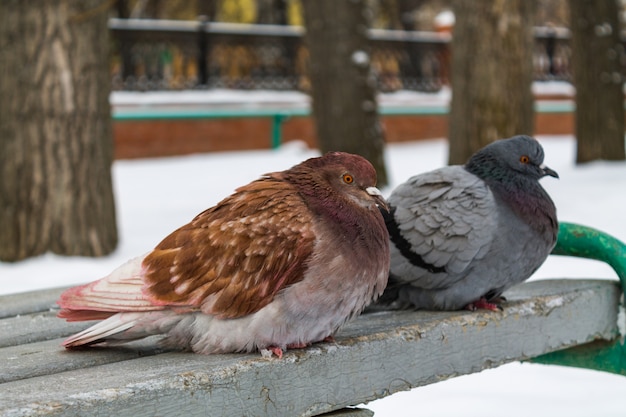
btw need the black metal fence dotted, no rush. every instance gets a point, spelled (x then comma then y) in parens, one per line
(175, 55)
(552, 54)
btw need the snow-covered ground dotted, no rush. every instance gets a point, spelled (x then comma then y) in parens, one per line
(225, 99)
(154, 196)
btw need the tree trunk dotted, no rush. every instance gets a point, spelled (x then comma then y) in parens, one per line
(491, 74)
(596, 55)
(56, 145)
(343, 89)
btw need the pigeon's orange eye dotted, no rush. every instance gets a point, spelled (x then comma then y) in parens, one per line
(524, 159)
(348, 179)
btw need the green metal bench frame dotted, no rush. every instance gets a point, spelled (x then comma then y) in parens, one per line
(586, 242)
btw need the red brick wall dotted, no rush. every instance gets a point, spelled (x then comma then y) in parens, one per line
(153, 138)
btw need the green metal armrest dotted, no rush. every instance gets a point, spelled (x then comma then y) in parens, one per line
(586, 242)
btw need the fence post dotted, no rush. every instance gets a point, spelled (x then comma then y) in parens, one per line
(550, 50)
(277, 129)
(203, 51)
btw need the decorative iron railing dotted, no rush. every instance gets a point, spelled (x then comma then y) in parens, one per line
(175, 55)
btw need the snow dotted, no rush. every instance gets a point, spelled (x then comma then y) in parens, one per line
(445, 19)
(254, 99)
(216, 98)
(557, 88)
(360, 58)
(223, 98)
(154, 196)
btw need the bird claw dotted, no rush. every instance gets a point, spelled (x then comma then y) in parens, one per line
(278, 352)
(270, 351)
(483, 304)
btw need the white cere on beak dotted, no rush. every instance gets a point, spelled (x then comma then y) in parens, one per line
(380, 201)
(373, 191)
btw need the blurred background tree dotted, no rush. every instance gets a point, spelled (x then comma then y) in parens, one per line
(597, 52)
(492, 74)
(56, 145)
(342, 87)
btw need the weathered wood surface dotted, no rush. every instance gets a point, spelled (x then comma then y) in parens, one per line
(376, 355)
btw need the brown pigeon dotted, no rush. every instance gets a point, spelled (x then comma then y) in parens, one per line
(282, 263)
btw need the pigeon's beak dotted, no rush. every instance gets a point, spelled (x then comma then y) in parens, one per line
(548, 171)
(380, 200)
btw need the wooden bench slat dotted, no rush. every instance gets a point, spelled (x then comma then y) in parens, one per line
(374, 356)
(35, 327)
(49, 358)
(29, 302)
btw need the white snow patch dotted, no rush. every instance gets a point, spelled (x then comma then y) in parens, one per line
(360, 58)
(555, 302)
(445, 18)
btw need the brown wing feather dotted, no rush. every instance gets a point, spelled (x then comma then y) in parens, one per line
(232, 259)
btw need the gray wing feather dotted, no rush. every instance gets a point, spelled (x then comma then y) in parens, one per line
(449, 217)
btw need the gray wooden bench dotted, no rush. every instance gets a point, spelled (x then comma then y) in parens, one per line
(374, 356)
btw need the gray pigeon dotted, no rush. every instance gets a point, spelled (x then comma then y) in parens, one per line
(461, 235)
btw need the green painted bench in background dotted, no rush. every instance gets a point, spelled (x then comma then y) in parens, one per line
(374, 356)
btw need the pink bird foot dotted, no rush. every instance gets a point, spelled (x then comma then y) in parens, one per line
(273, 350)
(483, 304)
(278, 352)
